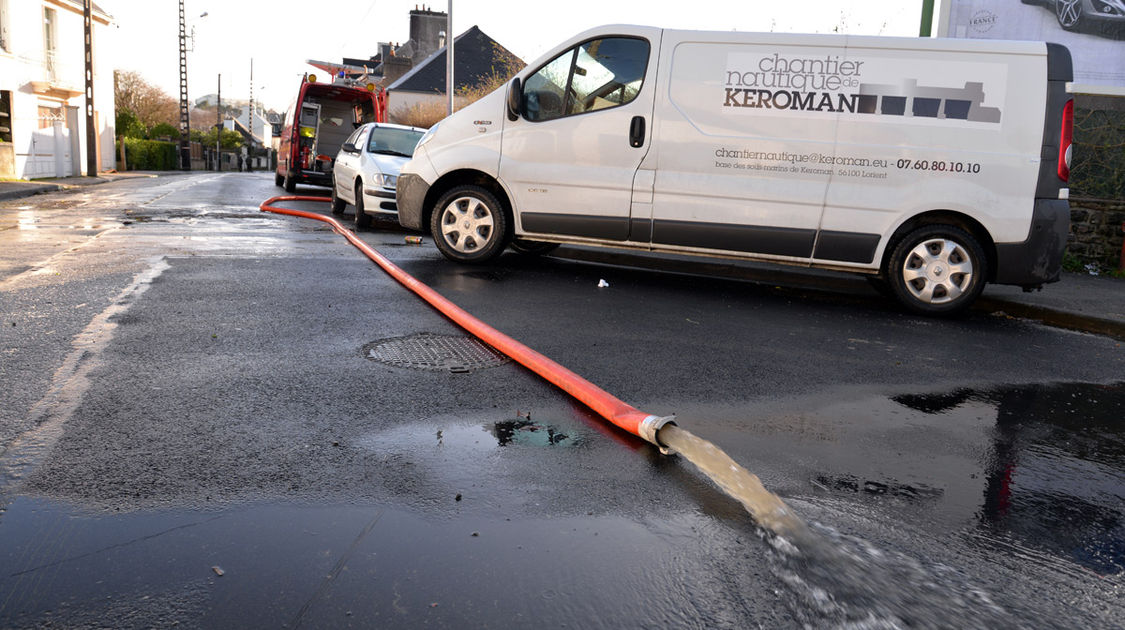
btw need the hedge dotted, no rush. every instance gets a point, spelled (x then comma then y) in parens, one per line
(150, 155)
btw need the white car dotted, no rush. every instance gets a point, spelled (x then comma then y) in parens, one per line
(366, 169)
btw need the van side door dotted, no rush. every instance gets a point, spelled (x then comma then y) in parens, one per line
(741, 141)
(570, 158)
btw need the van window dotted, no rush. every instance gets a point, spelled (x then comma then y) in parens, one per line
(598, 74)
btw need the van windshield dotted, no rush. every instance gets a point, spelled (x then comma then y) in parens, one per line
(391, 141)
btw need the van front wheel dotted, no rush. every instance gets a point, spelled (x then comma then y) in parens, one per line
(937, 270)
(469, 225)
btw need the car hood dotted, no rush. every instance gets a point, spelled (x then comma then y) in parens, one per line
(387, 164)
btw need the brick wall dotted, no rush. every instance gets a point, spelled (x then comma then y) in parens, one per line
(1095, 232)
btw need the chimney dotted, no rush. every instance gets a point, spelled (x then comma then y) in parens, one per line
(425, 29)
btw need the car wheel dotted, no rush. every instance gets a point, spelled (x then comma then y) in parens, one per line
(531, 248)
(937, 270)
(290, 184)
(1069, 14)
(362, 219)
(278, 180)
(469, 225)
(338, 204)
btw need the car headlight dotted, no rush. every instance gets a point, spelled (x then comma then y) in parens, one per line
(384, 181)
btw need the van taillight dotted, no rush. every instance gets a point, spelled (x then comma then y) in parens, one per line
(1065, 137)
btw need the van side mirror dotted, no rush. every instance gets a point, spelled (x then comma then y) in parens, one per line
(515, 95)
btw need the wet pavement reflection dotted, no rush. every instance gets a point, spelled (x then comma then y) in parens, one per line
(342, 566)
(1055, 472)
(1022, 476)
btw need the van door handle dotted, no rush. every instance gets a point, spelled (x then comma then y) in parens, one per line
(637, 132)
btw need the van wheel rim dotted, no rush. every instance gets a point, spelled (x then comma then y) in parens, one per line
(467, 224)
(1069, 11)
(937, 271)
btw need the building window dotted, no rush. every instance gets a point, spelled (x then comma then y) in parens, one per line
(48, 116)
(50, 38)
(5, 116)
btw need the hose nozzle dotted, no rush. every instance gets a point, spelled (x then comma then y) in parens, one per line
(650, 427)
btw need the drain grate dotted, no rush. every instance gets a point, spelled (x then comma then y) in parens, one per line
(427, 351)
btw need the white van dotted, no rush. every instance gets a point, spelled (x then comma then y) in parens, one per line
(930, 165)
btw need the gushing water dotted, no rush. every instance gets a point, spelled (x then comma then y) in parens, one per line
(843, 582)
(767, 508)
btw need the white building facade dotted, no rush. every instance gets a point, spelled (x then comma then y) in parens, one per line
(42, 89)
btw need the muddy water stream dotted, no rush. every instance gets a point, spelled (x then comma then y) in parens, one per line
(842, 581)
(768, 510)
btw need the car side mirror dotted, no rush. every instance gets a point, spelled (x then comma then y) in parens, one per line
(515, 95)
(349, 147)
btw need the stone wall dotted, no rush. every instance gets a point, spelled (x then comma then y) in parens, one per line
(1096, 232)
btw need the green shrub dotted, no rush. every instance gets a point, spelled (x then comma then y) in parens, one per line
(150, 155)
(163, 130)
(128, 124)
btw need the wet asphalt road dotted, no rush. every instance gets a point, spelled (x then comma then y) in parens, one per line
(194, 432)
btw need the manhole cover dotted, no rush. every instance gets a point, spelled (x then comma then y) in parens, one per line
(427, 351)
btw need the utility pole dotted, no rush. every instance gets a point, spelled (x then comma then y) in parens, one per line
(185, 138)
(250, 118)
(91, 132)
(449, 57)
(219, 127)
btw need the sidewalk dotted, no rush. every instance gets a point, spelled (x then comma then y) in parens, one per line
(17, 189)
(1079, 301)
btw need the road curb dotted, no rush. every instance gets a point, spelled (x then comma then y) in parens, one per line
(1053, 317)
(28, 190)
(816, 280)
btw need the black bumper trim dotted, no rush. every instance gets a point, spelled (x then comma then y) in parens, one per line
(1037, 260)
(411, 197)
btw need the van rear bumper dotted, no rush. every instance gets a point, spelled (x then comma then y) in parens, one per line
(1038, 260)
(316, 178)
(411, 192)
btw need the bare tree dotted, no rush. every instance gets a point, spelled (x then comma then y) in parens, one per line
(149, 103)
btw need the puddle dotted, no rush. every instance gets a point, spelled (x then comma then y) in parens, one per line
(367, 565)
(1054, 472)
(460, 439)
(999, 507)
(959, 498)
(523, 431)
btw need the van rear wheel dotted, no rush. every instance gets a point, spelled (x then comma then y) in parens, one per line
(469, 225)
(937, 270)
(290, 184)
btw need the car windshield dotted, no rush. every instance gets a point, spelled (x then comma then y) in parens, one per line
(391, 141)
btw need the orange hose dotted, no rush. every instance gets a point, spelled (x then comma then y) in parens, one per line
(604, 404)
